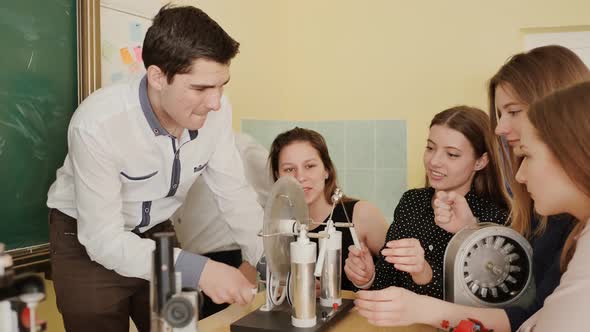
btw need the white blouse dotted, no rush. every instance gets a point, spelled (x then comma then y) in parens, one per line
(566, 309)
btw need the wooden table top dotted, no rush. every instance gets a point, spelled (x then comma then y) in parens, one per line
(221, 321)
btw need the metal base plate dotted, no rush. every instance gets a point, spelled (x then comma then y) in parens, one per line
(279, 319)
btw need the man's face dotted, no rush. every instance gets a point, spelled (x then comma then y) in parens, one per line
(191, 96)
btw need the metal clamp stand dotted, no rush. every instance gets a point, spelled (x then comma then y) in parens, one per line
(329, 266)
(172, 310)
(17, 293)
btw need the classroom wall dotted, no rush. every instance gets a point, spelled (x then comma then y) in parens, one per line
(375, 59)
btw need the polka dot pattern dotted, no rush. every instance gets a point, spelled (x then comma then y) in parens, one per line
(414, 218)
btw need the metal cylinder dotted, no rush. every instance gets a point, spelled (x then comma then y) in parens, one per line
(303, 257)
(331, 279)
(163, 276)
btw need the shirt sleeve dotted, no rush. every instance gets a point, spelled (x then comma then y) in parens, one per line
(546, 268)
(234, 196)
(566, 308)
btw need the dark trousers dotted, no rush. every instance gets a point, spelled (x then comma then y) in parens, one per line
(89, 296)
(230, 257)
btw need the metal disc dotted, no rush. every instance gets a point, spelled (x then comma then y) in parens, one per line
(496, 262)
(489, 265)
(286, 201)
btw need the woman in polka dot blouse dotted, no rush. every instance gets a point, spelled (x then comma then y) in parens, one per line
(462, 167)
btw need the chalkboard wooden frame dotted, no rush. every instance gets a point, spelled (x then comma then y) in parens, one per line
(36, 258)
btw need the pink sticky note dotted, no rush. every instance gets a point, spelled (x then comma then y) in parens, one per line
(126, 56)
(137, 51)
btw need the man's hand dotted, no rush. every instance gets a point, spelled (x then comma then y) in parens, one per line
(248, 271)
(225, 284)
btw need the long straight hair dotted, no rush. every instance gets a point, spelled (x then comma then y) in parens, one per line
(562, 122)
(531, 76)
(474, 124)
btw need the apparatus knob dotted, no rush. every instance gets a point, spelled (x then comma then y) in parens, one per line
(178, 312)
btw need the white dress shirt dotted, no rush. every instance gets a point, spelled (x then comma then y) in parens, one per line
(125, 173)
(566, 309)
(200, 226)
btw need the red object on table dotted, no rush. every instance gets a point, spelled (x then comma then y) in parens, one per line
(470, 325)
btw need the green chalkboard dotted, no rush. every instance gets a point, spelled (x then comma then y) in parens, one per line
(38, 94)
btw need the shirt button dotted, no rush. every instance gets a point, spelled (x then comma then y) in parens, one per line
(147, 210)
(174, 186)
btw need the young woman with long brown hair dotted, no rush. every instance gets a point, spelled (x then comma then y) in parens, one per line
(525, 78)
(555, 150)
(461, 157)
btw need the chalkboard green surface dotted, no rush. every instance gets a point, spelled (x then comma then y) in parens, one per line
(38, 94)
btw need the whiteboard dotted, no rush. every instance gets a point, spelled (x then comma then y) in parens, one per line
(577, 41)
(123, 25)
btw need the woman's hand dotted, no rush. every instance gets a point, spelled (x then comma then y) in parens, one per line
(408, 255)
(451, 211)
(393, 306)
(359, 267)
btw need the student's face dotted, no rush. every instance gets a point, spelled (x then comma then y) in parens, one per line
(302, 161)
(510, 113)
(545, 179)
(191, 96)
(449, 160)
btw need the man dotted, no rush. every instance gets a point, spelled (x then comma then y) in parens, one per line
(134, 151)
(203, 229)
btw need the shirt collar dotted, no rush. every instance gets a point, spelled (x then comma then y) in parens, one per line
(193, 134)
(150, 116)
(148, 112)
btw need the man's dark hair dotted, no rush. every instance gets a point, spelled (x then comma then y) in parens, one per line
(180, 35)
